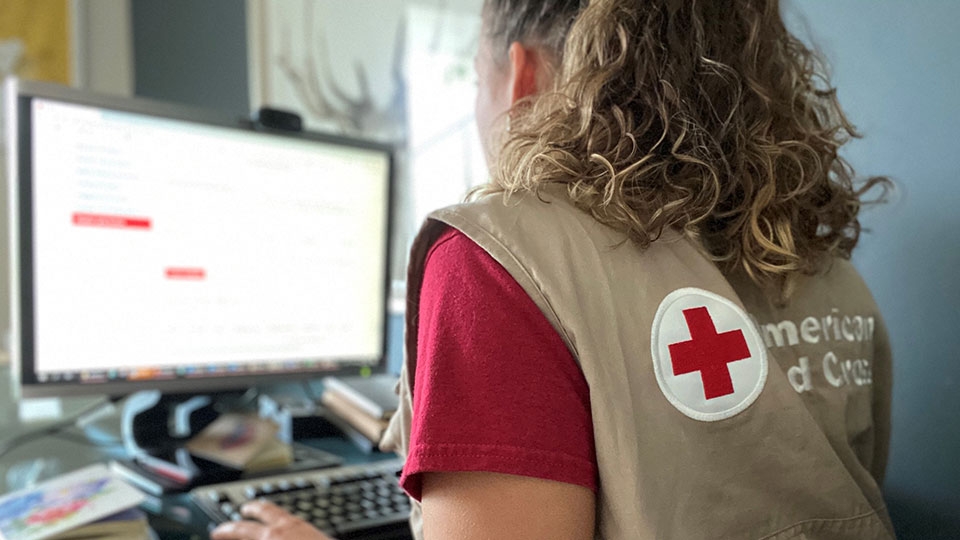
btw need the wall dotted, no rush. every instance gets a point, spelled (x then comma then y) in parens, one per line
(4, 238)
(102, 46)
(897, 67)
(192, 52)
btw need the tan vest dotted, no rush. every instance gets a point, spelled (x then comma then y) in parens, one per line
(789, 451)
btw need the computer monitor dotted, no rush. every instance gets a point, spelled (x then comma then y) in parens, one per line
(156, 247)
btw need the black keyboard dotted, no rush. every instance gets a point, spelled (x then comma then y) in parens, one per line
(347, 503)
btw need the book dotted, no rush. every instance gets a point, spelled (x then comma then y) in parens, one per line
(376, 394)
(176, 464)
(127, 525)
(65, 503)
(241, 441)
(369, 426)
(173, 471)
(147, 479)
(156, 481)
(358, 439)
(274, 455)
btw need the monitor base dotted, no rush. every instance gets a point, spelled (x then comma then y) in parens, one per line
(155, 424)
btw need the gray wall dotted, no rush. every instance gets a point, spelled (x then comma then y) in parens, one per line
(192, 52)
(897, 66)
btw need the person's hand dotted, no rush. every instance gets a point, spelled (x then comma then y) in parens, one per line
(273, 523)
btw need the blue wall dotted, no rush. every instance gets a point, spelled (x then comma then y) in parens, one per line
(897, 67)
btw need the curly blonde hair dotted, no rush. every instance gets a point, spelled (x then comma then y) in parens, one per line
(705, 116)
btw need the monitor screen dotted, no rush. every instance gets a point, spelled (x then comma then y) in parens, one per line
(157, 251)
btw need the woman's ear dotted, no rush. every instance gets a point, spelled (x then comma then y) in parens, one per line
(525, 65)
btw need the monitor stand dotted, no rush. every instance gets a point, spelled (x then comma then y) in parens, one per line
(155, 423)
(155, 427)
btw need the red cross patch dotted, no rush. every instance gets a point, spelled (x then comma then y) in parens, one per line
(708, 358)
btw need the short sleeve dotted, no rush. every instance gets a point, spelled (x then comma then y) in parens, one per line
(496, 388)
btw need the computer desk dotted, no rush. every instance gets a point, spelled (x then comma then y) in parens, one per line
(173, 517)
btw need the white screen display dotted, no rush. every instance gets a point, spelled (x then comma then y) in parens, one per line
(165, 244)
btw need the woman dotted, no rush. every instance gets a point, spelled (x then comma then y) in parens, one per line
(646, 326)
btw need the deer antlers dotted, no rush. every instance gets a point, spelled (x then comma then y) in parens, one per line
(323, 97)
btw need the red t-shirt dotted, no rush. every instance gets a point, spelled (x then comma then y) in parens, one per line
(496, 388)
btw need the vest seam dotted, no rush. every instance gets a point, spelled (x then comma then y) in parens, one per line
(801, 524)
(458, 221)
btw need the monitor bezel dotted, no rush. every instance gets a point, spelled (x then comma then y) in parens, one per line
(19, 95)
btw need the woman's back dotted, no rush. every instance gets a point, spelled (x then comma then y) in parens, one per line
(657, 333)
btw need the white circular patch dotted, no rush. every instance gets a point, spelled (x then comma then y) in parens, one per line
(708, 357)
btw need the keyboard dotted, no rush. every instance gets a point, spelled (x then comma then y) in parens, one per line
(347, 503)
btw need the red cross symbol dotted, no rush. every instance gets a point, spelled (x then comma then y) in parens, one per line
(708, 352)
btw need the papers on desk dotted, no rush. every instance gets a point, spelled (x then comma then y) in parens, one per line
(56, 508)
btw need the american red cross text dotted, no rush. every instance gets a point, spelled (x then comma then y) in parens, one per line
(708, 352)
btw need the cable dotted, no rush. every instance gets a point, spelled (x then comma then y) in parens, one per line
(226, 403)
(86, 440)
(11, 444)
